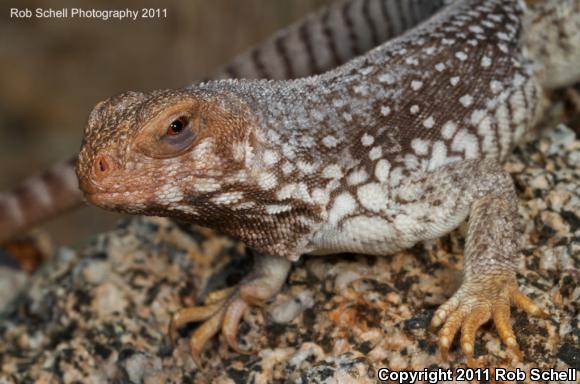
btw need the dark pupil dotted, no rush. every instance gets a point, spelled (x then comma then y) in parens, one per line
(176, 126)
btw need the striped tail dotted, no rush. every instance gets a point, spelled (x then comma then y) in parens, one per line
(315, 44)
(39, 198)
(328, 38)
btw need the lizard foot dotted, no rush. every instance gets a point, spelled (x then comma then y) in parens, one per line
(473, 305)
(223, 309)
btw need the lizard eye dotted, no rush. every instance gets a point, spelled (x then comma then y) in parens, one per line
(177, 126)
(171, 133)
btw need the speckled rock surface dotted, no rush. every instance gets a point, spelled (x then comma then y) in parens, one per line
(100, 314)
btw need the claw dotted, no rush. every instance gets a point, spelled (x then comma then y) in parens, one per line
(449, 329)
(188, 315)
(206, 331)
(526, 304)
(473, 321)
(232, 318)
(443, 311)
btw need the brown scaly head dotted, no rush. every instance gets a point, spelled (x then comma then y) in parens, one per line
(164, 153)
(195, 154)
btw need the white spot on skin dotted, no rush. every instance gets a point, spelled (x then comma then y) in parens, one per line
(462, 56)
(495, 86)
(239, 177)
(396, 177)
(416, 85)
(382, 170)
(482, 121)
(440, 67)
(274, 209)
(411, 61)
(373, 196)
(228, 198)
(375, 153)
(366, 70)
(329, 141)
(287, 168)
(409, 193)
(430, 50)
(429, 122)
(447, 41)
(503, 36)
(306, 167)
(347, 116)
(448, 130)
(320, 196)
(273, 136)
(488, 24)
(357, 177)
(386, 78)
(244, 205)
(205, 149)
(454, 80)
(503, 127)
(361, 89)
(467, 143)
(414, 109)
(267, 180)
(169, 193)
(206, 185)
(344, 204)
(485, 61)
(367, 140)
(270, 157)
(411, 161)
(288, 151)
(518, 80)
(466, 100)
(385, 111)
(297, 191)
(332, 171)
(307, 142)
(517, 103)
(420, 146)
(476, 29)
(438, 155)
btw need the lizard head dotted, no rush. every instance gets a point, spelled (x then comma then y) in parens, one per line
(163, 152)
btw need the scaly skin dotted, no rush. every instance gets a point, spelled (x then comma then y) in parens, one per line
(318, 42)
(398, 146)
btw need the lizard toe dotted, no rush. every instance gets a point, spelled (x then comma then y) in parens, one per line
(231, 322)
(189, 315)
(472, 306)
(203, 334)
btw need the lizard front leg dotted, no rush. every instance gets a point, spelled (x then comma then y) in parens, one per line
(224, 309)
(489, 283)
(481, 190)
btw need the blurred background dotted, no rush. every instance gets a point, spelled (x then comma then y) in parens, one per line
(53, 71)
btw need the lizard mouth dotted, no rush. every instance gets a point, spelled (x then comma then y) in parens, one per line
(109, 199)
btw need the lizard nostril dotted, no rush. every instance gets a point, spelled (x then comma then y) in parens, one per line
(102, 166)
